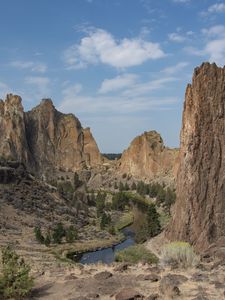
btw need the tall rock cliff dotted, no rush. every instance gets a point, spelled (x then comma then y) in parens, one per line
(13, 143)
(199, 213)
(45, 139)
(148, 158)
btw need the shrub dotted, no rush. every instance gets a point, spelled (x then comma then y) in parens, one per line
(100, 203)
(105, 220)
(153, 221)
(135, 254)
(15, 281)
(119, 201)
(71, 234)
(38, 235)
(179, 254)
(47, 239)
(58, 233)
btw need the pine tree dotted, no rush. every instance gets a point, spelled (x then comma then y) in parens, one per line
(58, 233)
(38, 234)
(153, 221)
(71, 234)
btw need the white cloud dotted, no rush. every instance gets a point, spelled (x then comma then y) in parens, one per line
(214, 48)
(99, 46)
(216, 8)
(131, 98)
(176, 68)
(71, 90)
(41, 84)
(117, 83)
(175, 37)
(214, 31)
(145, 88)
(33, 66)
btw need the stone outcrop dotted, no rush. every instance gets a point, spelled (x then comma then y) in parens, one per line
(13, 143)
(199, 213)
(45, 139)
(148, 158)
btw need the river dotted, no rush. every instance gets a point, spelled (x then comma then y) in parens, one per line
(106, 255)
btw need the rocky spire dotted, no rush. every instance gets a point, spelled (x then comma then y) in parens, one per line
(199, 214)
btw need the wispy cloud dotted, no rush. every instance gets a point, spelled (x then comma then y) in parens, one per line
(41, 85)
(32, 66)
(129, 99)
(117, 83)
(176, 37)
(99, 46)
(214, 49)
(176, 68)
(216, 8)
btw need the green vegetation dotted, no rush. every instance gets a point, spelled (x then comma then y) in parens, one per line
(135, 254)
(119, 201)
(100, 203)
(147, 224)
(38, 235)
(164, 197)
(126, 220)
(179, 254)
(56, 235)
(71, 234)
(15, 281)
(105, 220)
(153, 221)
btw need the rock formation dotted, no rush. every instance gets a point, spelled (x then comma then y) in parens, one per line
(45, 139)
(148, 158)
(199, 213)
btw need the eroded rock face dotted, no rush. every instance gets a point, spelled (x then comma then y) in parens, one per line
(199, 214)
(147, 157)
(45, 139)
(13, 143)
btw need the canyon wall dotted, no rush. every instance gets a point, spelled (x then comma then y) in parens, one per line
(199, 213)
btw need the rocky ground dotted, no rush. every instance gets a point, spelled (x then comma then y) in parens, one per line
(123, 282)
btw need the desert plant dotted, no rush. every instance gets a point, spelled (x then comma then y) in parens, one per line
(135, 254)
(58, 233)
(179, 254)
(15, 281)
(71, 234)
(38, 235)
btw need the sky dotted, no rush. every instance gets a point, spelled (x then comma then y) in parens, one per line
(121, 66)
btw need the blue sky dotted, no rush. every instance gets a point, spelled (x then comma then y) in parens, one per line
(121, 66)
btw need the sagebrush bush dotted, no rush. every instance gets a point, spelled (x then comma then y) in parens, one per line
(15, 281)
(135, 254)
(179, 254)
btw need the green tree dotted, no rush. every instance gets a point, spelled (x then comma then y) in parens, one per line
(58, 233)
(48, 239)
(71, 234)
(38, 235)
(105, 220)
(15, 281)
(153, 221)
(119, 201)
(100, 203)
